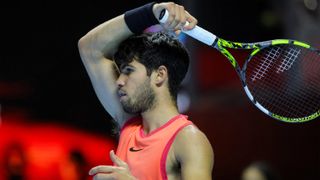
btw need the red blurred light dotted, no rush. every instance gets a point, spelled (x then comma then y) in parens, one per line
(48, 147)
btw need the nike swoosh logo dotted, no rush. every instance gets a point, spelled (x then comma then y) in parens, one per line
(134, 150)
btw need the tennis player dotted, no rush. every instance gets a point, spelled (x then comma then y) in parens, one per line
(136, 76)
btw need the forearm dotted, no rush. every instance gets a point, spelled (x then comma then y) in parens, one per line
(103, 40)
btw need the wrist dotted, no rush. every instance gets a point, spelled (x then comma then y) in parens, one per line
(140, 18)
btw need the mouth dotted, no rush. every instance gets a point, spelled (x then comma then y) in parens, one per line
(121, 94)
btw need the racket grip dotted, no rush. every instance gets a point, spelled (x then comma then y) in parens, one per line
(197, 32)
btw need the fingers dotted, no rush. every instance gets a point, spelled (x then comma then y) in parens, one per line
(178, 17)
(103, 169)
(119, 165)
(103, 177)
(192, 22)
(116, 160)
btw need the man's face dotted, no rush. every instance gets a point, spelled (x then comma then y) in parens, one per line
(134, 88)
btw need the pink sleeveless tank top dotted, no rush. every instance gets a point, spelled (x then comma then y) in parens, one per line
(146, 155)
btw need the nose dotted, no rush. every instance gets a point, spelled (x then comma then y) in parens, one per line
(121, 80)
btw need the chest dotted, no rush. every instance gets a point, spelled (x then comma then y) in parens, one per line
(153, 161)
(151, 156)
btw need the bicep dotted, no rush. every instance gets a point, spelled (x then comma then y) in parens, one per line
(194, 153)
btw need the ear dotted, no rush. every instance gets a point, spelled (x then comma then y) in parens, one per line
(161, 75)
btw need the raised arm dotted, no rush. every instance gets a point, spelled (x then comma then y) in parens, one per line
(96, 50)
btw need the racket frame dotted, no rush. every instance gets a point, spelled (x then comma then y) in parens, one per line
(222, 45)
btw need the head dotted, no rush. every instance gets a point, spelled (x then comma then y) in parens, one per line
(154, 52)
(259, 171)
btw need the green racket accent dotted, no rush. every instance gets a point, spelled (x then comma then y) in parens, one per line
(221, 44)
(255, 52)
(237, 45)
(297, 120)
(301, 44)
(280, 41)
(286, 41)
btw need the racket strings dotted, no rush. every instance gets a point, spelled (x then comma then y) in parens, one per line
(304, 94)
(289, 59)
(301, 94)
(285, 107)
(263, 68)
(285, 80)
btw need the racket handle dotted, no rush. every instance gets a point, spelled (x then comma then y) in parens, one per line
(197, 32)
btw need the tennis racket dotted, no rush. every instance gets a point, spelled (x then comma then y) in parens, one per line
(281, 77)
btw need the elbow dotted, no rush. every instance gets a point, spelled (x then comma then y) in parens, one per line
(85, 47)
(82, 43)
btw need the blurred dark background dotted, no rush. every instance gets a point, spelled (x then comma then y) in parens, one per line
(42, 79)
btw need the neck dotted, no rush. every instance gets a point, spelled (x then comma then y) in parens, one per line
(158, 116)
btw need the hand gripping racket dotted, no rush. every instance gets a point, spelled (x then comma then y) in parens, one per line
(281, 77)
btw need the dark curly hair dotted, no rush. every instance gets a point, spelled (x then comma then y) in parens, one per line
(153, 50)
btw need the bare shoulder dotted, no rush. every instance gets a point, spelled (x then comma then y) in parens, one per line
(192, 137)
(193, 149)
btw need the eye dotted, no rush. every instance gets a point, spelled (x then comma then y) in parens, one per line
(127, 70)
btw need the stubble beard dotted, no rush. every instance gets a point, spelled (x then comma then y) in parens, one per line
(141, 101)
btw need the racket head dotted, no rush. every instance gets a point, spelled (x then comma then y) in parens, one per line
(282, 79)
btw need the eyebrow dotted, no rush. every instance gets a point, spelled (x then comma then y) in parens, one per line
(122, 67)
